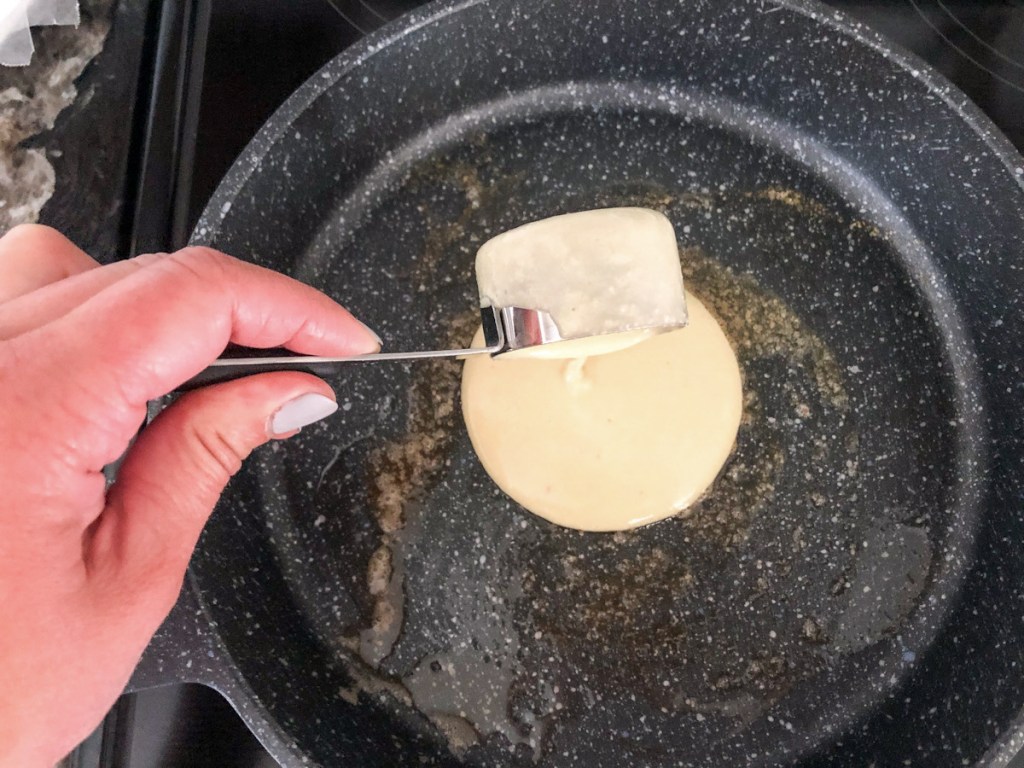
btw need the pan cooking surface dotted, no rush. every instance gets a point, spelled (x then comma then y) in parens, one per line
(776, 612)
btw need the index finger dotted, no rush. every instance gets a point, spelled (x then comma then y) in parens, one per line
(146, 334)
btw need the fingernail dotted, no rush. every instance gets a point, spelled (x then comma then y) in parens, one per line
(373, 335)
(301, 411)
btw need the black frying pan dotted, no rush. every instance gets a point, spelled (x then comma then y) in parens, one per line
(850, 592)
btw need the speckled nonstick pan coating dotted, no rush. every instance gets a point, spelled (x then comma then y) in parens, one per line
(849, 593)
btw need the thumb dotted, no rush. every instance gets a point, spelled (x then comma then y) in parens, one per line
(172, 477)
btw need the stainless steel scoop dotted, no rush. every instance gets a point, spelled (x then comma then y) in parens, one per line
(505, 329)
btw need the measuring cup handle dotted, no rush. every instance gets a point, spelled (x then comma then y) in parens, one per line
(253, 363)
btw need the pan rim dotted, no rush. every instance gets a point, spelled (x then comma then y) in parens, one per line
(334, 70)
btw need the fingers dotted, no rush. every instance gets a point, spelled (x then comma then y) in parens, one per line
(177, 469)
(160, 325)
(44, 305)
(32, 256)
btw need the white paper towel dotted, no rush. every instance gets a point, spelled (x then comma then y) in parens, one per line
(16, 16)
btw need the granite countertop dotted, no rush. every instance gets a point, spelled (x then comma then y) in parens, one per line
(66, 124)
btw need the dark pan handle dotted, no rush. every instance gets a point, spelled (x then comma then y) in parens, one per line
(246, 362)
(185, 649)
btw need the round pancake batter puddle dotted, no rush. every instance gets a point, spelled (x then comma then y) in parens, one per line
(609, 442)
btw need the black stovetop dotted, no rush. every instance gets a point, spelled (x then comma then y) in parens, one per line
(218, 68)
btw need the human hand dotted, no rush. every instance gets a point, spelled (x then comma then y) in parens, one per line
(87, 573)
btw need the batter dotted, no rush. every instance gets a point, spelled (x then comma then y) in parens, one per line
(609, 442)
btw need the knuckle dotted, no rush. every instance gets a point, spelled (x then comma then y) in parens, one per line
(219, 457)
(201, 259)
(146, 259)
(198, 265)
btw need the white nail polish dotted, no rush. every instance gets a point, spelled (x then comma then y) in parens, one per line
(301, 411)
